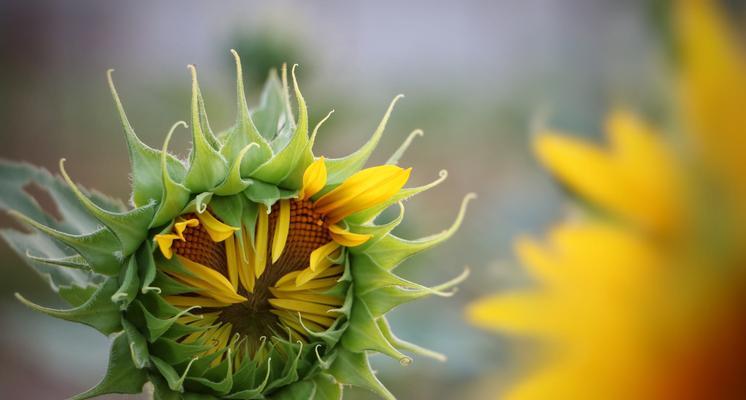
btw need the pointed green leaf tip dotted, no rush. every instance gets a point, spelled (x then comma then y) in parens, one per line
(145, 161)
(207, 167)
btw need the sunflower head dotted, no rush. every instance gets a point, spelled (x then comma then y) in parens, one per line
(253, 269)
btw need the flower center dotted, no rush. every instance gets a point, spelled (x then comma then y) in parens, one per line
(254, 317)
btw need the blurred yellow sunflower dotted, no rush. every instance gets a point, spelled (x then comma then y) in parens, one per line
(645, 299)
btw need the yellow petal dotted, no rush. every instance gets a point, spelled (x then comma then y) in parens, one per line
(282, 228)
(616, 181)
(323, 321)
(190, 301)
(181, 226)
(246, 264)
(287, 278)
(232, 258)
(301, 306)
(164, 242)
(262, 231)
(365, 189)
(513, 312)
(210, 279)
(308, 297)
(314, 179)
(347, 238)
(318, 255)
(320, 284)
(217, 230)
(713, 85)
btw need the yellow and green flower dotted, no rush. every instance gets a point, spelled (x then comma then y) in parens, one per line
(252, 270)
(643, 297)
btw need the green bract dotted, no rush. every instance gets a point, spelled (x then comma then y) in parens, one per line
(103, 259)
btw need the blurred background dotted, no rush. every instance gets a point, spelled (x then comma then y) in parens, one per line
(478, 76)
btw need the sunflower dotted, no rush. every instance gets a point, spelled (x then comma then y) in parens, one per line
(643, 297)
(252, 270)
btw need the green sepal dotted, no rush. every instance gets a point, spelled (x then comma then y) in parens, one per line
(98, 311)
(272, 111)
(289, 374)
(267, 194)
(155, 326)
(77, 295)
(339, 169)
(390, 251)
(161, 391)
(174, 380)
(243, 134)
(233, 182)
(207, 167)
(198, 205)
(129, 285)
(287, 166)
(321, 387)
(228, 209)
(175, 353)
(385, 328)
(168, 286)
(146, 268)
(351, 368)
(174, 195)
(363, 334)
(75, 261)
(384, 299)
(145, 161)
(218, 380)
(394, 159)
(377, 232)
(130, 227)
(138, 345)
(122, 376)
(250, 393)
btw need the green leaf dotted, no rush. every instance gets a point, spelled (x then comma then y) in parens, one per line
(122, 376)
(98, 312)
